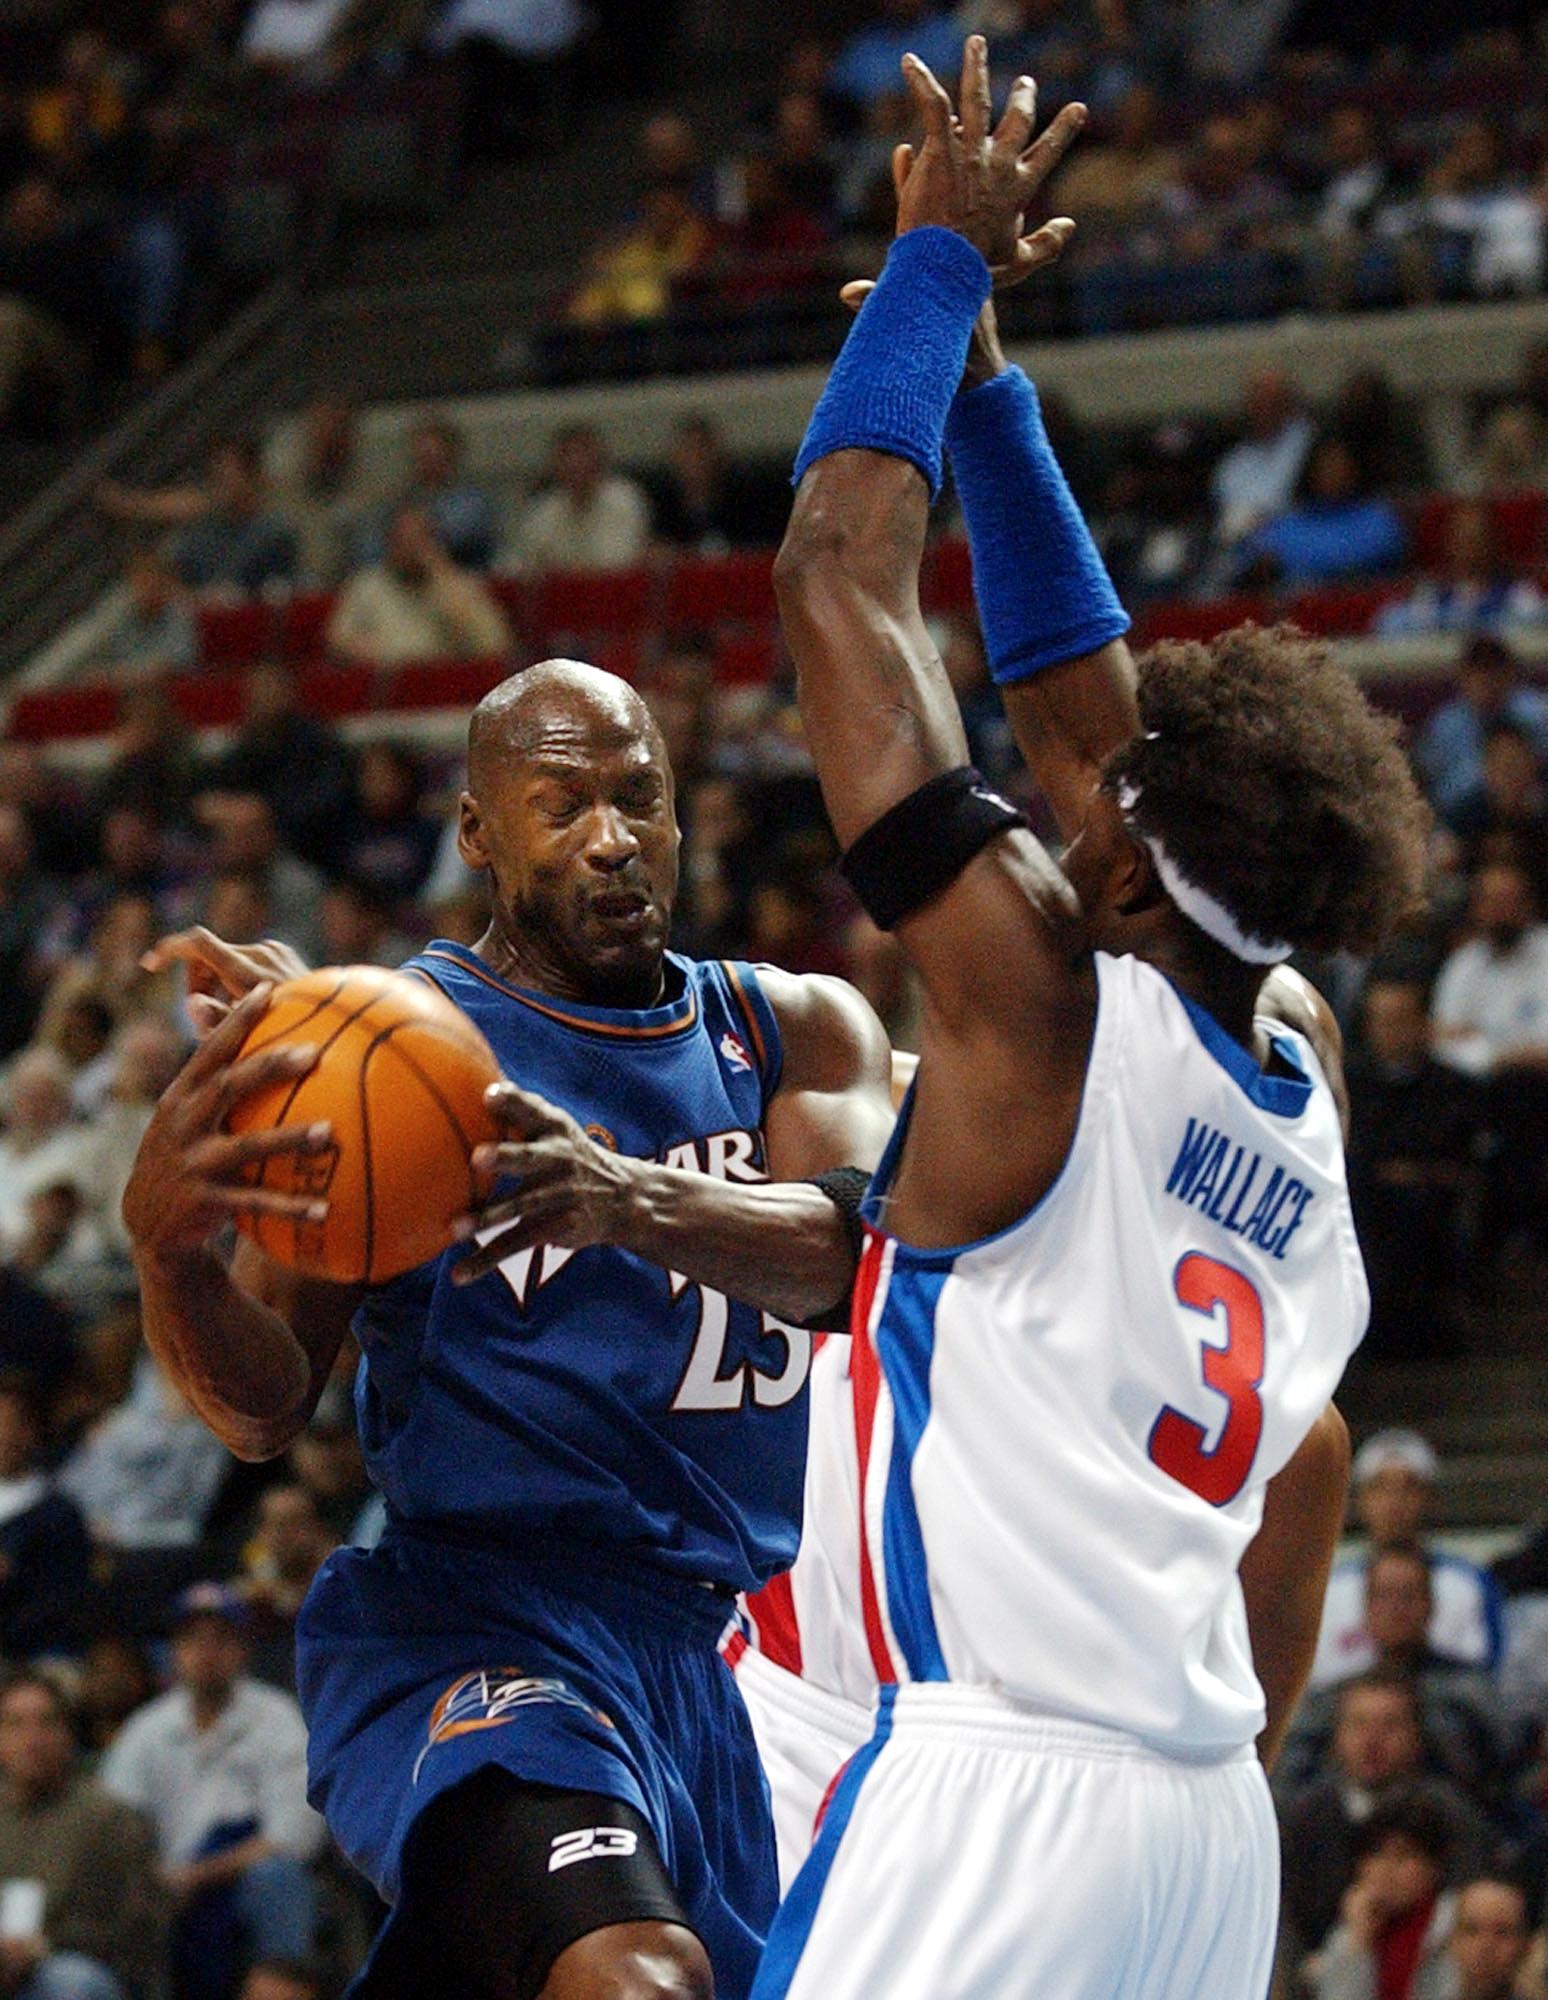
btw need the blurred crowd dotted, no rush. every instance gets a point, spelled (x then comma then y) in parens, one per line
(1241, 161)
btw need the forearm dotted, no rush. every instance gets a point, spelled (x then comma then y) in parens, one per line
(879, 711)
(1284, 1574)
(781, 1246)
(236, 1362)
(1053, 625)
(230, 1864)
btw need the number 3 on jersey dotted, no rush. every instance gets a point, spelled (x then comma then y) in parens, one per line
(1235, 1371)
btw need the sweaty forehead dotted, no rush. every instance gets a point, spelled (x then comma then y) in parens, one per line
(560, 714)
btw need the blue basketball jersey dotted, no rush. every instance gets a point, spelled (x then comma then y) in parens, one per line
(590, 1396)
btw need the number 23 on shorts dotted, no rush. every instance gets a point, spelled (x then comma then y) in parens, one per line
(1235, 1371)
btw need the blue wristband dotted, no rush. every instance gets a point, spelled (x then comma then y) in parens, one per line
(891, 387)
(1043, 591)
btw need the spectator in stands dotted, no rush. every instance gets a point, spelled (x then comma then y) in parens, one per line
(321, 488)
(98, 1914)
(704, 503)
(218, 1766)
(773, 248)
(868, 64)
(76, 122)
(416, 604)
(1396, 1917)
(1509, 821)
(237, 907)
(297, 763)
(1474, 590)
(391, 840)
(1490, 1938)
(1357, 173)
(585, 516)
(44, 1551)
(290, 1544)
(1394, 1478)
(1222, 202)
(1465, 227)
(515, 56)
(133, 862)
(1117, 183)
(152, 630)
(246, 840)
(358, 924)
(1414, 1130)
(1382, 429)
(146, 1054)
(803, 153)
(631, 276)
(27, 906)
(1491, 1020)
(229, 539)
(1490, 691)
(53, 274)
(1154, 530)
(461, 511)
(327, 1460)
(1257, 477)
(41, 1143)
(146, 1476)
(1510, 452)
(1336, 530)
(290, 39)
(1376, 1754)
(115, 1680)
(154, 765)
(282, 1979)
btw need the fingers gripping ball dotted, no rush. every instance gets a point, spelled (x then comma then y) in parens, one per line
(400, 1076)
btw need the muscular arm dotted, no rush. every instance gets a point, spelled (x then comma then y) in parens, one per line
(780, 1245)
(1010, 997)
(1285, 1571)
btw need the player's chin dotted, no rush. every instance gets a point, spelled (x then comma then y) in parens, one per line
(625, 943)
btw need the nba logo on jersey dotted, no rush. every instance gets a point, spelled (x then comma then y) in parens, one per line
(736, 1056)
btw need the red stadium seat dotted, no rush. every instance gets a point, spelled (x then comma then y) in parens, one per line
(444, 683)
(744, 659)
(237, 635)
(1337, 613)
(1521, 526)
(210, 701)
(710, 590)
(1200, 621)
(304, 625)
(591, 601)
(512, 596)
(331, 692)
(1431, 524)
(47, 714)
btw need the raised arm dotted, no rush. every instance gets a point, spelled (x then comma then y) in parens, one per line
(980, 909)
(788, 1245)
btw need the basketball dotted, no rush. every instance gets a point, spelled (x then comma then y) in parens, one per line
(400, 1077)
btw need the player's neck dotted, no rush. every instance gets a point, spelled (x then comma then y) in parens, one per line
(523, 960)
(1223, 986)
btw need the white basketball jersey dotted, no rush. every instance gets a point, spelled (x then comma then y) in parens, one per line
(1066, 1429)
(808, 1620)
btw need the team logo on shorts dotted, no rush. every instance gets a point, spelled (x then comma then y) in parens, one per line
(736, 1056)
(490, 1697)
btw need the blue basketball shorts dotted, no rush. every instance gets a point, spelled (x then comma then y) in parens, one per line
(420, 1663)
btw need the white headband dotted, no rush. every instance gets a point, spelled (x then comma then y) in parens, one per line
(1212, 917)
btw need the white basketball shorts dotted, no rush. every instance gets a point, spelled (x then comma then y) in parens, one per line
(975, 1850)
(805, 1738)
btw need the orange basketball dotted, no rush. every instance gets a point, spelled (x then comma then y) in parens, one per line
(400, 1077)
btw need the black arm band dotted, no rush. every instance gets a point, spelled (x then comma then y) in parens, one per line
(924, 842)
(845, 1187)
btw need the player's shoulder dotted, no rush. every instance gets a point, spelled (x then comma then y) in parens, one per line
(826, 1025)
(1289, 998)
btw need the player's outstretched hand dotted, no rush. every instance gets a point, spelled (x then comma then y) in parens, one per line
(979, 178)
(218, 973)
(572, 1191)
(190, 1174)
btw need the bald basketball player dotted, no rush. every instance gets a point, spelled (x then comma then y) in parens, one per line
(589, 1427)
